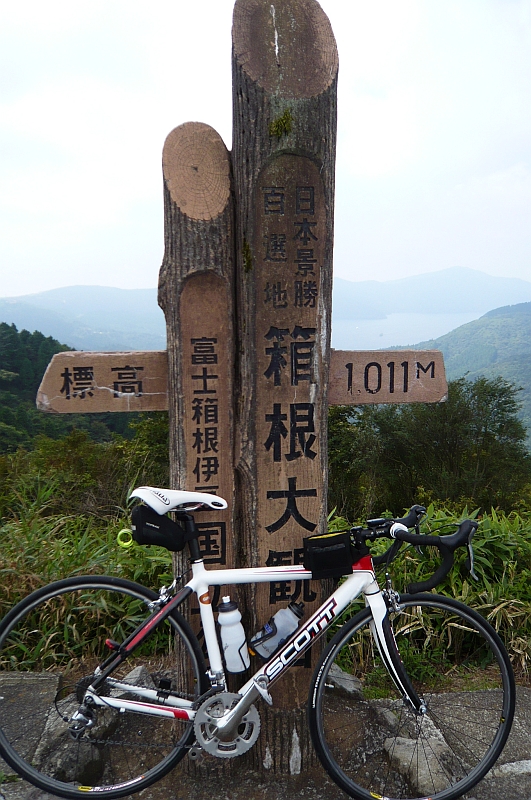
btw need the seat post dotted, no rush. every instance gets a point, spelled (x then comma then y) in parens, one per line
(192, 534)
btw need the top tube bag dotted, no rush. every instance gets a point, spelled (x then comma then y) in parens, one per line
(329, 555)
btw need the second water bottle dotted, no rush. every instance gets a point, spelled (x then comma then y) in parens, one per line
(277, 630)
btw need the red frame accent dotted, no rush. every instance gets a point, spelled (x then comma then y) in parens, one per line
(146, 629)
(365, 563)
(178, 713)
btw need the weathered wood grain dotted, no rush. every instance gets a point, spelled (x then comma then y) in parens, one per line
(284, 132)
(196, 294)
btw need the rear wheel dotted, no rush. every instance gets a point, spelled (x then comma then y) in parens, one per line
(372, 744)
(50, 644)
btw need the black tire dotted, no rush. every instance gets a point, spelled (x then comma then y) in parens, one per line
(372, 744)
(50, 644)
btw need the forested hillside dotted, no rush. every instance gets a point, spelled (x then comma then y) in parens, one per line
(497, 344)
(469, 451)
(24, 357)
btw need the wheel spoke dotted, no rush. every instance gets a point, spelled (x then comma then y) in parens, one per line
(119, 752)
(373, 744)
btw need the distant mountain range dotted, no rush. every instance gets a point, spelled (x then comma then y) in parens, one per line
(482, 324)
(365, 314)
(91, 317)
(456, 290)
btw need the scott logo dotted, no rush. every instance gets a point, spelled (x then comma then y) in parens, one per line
(315, 626)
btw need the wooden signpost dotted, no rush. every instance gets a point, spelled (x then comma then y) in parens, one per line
(285, 65)
(85, 382)
(392, 376)
(246, 288)
(357, 377)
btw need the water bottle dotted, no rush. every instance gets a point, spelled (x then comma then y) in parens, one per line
(233, 641)
(277, 630)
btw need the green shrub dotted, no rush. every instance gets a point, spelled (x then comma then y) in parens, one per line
(38, 549)
(502, 591)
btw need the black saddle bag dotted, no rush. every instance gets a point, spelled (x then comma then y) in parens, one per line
(152, 528)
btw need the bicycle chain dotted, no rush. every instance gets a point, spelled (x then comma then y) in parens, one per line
(93, 741)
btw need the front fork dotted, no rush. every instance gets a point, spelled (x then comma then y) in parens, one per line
(382, 631)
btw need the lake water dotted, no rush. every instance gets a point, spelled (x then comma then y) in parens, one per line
(400, 330)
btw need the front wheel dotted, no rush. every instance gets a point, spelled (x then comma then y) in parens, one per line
(50, 645)
(373, 744)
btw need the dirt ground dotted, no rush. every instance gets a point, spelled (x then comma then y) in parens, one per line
(510, 779)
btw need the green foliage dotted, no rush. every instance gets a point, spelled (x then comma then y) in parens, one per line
(24, 357)
(470, 449)
(336, 523)
(87, 477)
(247, 256)
(502, 593)
(502, 563)
(63, 505)
(354, 451)
(61, 513)
(39, 546)
(5, 778)
(148, 449)
(497, 344)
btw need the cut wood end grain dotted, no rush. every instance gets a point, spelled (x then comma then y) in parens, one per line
(287, 47)
(196, 168)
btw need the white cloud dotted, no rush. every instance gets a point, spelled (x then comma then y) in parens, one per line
(508, 188)
(380, 135)
(433, 138)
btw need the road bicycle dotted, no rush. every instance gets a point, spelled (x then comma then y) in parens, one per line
(413, 696)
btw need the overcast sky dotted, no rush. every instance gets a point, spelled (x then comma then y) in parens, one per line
(434, 134)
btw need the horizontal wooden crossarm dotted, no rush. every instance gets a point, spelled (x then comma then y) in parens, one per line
(85, 382)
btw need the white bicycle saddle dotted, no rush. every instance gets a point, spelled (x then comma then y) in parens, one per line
(164, 500)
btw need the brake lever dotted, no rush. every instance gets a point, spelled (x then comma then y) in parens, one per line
(469, 561)
(418, 547)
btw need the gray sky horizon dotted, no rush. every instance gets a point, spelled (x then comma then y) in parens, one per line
(434, 134)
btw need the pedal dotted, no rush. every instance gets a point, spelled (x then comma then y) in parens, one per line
(261, 684)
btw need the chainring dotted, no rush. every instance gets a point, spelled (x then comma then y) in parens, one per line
(205, 726)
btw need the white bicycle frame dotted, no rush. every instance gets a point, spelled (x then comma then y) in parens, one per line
(362, 581)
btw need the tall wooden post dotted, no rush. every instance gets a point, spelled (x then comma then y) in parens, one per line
(284, 131)
(248, 411)
(196, 295)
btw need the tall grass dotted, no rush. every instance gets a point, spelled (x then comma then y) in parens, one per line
(39, 547)
(502, 591)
